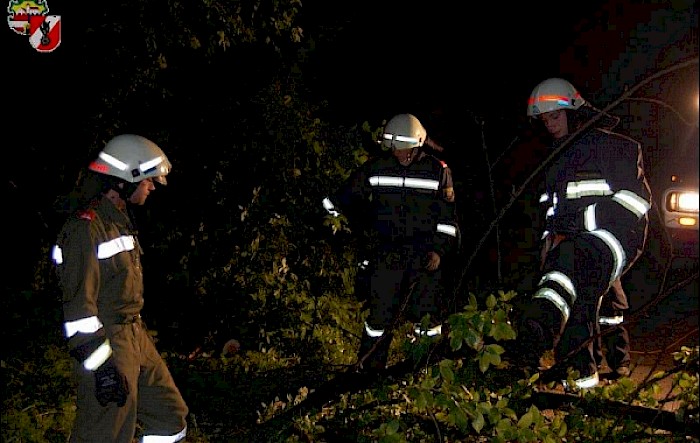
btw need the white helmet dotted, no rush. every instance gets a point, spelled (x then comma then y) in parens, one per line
(403, 131)
(132, 158)
(551, 95)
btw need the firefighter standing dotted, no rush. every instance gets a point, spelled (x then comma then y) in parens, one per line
(121, 376)
(597, 201)
(407, 199)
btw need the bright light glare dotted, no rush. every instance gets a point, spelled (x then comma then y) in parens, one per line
(684, 201)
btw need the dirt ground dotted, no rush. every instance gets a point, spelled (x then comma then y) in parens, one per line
(659, 325)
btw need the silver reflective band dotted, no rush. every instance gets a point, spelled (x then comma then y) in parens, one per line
(447, 229)
(165, 438)
(329, 207)
(619, 256)
(115, 246)
(544, 235)
(585, 382)
(97, 358)
(401, 182)
(57, 255)
(554, 297)
(544, 197)
(587, 188)
(617, 320)
(88, 325)
(562, 280)
(632, 202)
(401, 138)
(589, 220)
(113, 161)
(150, 164)
(431, 332)
(373, 332)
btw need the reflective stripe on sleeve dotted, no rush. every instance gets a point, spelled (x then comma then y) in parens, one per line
(329, 207)
(88, 325)
(619, 256)
(97, 358)
(57, 255)
(373, 332)
(561, 279)
(632, 202)
(447, 229)
(556, 299)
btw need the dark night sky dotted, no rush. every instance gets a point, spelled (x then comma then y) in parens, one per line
(483, 57)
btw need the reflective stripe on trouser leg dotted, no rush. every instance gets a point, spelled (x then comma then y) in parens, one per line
(165, 438)
(162, 410)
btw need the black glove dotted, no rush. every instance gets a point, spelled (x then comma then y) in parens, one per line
(110, 385)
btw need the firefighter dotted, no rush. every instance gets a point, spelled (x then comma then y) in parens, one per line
(596, 200)
(407, 200)
(121, 377)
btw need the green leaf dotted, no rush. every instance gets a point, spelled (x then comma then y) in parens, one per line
(446, 371)
(478, 422)
(525, 421)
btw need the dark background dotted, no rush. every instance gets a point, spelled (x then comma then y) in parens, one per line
(464, 68)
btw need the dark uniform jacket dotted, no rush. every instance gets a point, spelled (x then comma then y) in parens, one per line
(402, 205)
(594, 186)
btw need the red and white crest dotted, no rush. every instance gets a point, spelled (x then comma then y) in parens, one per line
(45, 32)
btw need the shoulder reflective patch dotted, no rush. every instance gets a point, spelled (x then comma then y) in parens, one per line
(88, 214)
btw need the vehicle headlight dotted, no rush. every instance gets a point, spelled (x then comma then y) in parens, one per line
(682, 201)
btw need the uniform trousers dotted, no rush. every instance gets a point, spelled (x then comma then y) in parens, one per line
(153, 397)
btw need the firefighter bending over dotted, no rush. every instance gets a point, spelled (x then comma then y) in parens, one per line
(596, 200)
(407, 199)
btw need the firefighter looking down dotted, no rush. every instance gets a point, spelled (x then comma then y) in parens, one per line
(596, 199)
(121, 376)
(407, 201)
